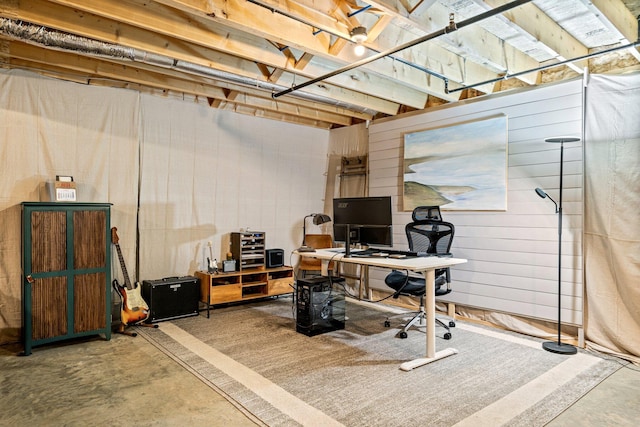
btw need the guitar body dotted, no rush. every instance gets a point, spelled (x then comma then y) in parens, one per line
(133, 308)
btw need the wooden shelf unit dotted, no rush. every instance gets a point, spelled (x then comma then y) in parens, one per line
(222, 288)
(248, 249)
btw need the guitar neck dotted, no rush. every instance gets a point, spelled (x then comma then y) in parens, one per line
(127, 281)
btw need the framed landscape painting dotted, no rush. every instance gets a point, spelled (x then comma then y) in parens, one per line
(459, 167)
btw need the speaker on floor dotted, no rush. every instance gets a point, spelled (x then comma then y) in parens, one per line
(171, 297)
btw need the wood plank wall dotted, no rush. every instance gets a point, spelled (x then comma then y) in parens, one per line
(512, 255)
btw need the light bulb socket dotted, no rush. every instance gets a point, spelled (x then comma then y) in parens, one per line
(358, 34)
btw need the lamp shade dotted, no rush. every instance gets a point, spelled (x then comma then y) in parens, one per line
(541, 193)
(321, 218)
(318, 219)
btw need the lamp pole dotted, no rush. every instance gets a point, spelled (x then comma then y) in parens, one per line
(558, 346)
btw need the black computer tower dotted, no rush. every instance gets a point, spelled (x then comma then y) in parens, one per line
(320, 305)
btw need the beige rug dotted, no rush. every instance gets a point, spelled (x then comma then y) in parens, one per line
(253, 355)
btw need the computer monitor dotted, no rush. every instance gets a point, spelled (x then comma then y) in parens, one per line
(364, 220)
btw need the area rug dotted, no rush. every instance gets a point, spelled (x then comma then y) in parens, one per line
(253, 355)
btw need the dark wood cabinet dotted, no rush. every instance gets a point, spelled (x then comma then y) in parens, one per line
(66, 258)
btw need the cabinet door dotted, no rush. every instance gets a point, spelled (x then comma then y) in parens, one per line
(48, 241)
(47, 310)
(89, 252)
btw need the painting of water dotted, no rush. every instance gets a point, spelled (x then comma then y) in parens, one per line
(460, 167)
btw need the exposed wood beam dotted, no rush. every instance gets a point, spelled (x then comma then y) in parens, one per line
(536, 23)
(152, 18)
(171, 80)
(616, 17)
(614, 12)
(276, 27)
(482, 47)
(91, 26)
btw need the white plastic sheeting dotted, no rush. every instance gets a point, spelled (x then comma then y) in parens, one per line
(612, 214)
(50, 127)
(178, 173)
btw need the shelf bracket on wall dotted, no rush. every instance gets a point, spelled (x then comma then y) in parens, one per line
(352, 169)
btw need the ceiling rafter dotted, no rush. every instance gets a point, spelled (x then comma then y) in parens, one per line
(403, 77)
(475, 43)
(134, 36)
(147, 16)
(236, 55)
(174, 80)
(617, 18)
(536, 24)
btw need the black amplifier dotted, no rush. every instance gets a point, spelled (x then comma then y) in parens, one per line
(320, 305)
(275, 258)
(171, 297)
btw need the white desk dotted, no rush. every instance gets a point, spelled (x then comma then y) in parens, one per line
(425, 265)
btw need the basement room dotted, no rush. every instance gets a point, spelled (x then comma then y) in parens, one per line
(320, 213)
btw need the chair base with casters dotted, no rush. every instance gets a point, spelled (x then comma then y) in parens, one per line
(416, 286)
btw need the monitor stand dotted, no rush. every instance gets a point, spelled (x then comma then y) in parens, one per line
(347, 243)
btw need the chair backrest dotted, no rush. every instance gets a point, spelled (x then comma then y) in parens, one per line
(430, 236)
(316, 241)
(426, 212)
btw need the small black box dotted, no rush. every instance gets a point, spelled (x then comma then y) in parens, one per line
(275, 258)
(171, 297)
(320, 305)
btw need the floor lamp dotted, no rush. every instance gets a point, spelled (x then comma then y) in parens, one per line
(558, 346)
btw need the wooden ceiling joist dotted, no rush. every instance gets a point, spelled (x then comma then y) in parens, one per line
(236, 55)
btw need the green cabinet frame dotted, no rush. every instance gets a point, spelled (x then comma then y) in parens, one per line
(66, 259)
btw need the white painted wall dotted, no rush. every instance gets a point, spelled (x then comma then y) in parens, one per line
(512, 255)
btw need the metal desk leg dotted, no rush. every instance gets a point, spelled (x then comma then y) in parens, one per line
(430, 308)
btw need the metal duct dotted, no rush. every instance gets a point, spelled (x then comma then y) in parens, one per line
(54, 39)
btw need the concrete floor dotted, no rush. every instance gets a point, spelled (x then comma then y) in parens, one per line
(128, 381)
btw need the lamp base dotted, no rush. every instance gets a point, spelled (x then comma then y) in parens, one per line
(558, 347)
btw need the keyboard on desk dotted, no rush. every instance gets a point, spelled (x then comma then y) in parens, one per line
(388, 253)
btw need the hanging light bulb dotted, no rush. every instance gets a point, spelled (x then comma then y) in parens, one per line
(358, 36)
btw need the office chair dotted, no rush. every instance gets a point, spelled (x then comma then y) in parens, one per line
(426, 212)
(432, 237)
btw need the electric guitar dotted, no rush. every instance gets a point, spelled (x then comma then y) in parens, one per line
(212, 265)
(133, 308)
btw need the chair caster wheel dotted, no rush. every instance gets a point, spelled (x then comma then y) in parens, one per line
(447, 336)
(387, 324)
(452, 324)
(402, 334)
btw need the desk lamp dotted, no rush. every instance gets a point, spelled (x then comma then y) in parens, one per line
(318, 219)
(558, 346)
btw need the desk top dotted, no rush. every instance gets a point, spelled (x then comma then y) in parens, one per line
(413, 264)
